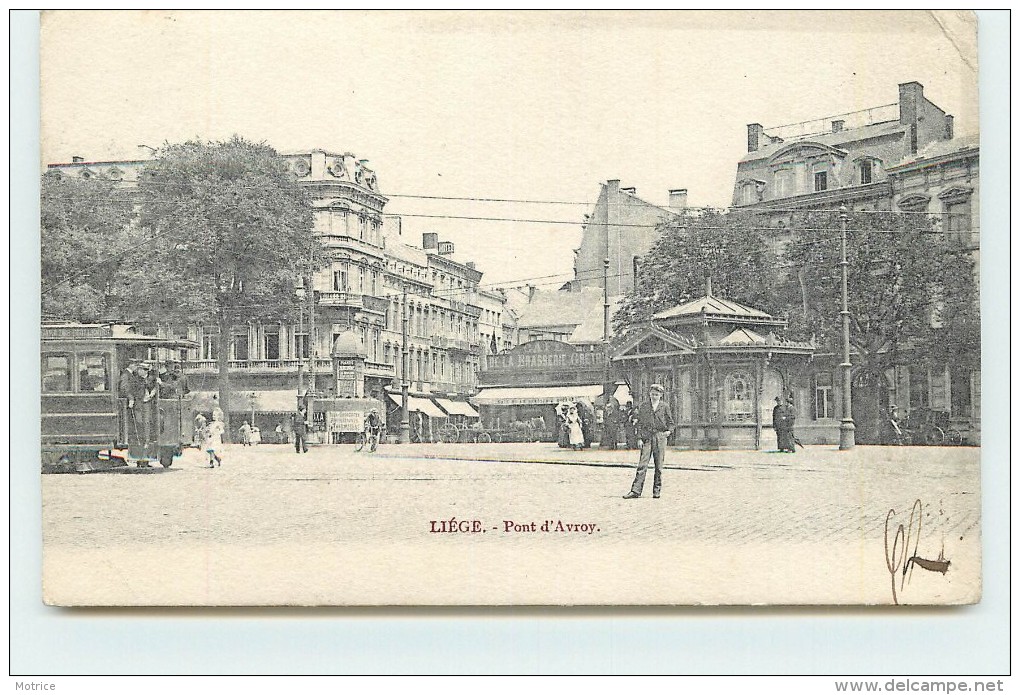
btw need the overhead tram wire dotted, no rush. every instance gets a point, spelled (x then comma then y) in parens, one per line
(437, 293)
(525, 201)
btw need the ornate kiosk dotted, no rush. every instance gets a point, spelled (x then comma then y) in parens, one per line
(722, 365)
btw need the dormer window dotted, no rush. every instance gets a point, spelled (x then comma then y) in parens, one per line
(749, 191)
(783, 183)
(866, 171)
(821, 181)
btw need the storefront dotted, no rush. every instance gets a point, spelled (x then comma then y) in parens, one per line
(502, 406)
(522, 387)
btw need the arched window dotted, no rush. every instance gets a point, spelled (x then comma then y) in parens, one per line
(739, 395)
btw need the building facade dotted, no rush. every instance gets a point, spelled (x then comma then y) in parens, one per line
(621, 227)
(371, 278)
(901, 156)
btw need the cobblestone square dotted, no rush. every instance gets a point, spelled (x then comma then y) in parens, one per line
(535, 525)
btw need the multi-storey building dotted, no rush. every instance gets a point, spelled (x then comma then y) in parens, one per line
(497, 324)
(360, 289)
(900, 156)
(830, 162)
(443, 338)
(621, 227)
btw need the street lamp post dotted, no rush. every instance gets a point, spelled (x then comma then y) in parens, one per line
(605, 300)
(846, 427)
(405, 420)
(311, 321)
(299, 292)
(605, 329)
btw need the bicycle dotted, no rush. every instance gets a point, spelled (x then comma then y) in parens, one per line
(367, 437)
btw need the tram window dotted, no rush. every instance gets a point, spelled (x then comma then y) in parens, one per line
(92, 372)
(56, 374)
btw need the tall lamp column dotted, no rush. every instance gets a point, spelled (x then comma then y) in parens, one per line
(847, 428)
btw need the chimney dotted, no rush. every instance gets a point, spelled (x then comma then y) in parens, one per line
(949, 127)
(631, 190)
(430, 241)
(708, 286)
(612, 186)
(678, 198)
(911, 96)
(532, 290)
(76, 158)
(755, 136)
(471, 265)
(318, 164)
(838, 125)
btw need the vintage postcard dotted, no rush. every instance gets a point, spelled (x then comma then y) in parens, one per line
(501, 308)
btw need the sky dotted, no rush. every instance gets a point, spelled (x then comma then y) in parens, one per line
(523, 106)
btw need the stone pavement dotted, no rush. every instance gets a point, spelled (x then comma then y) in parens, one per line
(336, 526)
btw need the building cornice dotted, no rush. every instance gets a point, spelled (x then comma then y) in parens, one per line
(879, 189)
(968, 153)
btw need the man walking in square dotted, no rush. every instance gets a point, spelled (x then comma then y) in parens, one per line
(654, 425)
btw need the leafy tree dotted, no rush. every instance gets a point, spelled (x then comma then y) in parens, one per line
(912, 293)
(734, 249)
(85, 226)
(230, 230)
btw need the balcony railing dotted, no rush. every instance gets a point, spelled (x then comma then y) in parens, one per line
(446, 343)
(348, 299)
(379, 369)
(353, 300)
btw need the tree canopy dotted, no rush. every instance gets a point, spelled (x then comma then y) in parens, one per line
(215, 233)
(85, 227)
(731, 248)
(230, 228)
(911, 291)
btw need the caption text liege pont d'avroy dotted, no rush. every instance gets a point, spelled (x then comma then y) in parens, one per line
(455, 525)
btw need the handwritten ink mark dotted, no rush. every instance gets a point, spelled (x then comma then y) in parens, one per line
(898, 561)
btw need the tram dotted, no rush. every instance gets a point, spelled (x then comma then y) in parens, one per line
(112, 398)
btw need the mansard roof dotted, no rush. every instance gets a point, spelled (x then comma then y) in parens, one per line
(828, 139)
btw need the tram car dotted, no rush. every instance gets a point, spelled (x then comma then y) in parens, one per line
(112, 398)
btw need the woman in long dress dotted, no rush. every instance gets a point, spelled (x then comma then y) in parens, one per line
(574, 428)
(562, 430)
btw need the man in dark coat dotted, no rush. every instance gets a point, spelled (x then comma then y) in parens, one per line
(300, 427)
(782, 420)
(654, 425)
(629, 426)
(610, 423)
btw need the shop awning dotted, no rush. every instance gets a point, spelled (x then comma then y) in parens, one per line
(536, 395)
(246, 401)
(457, 407)
(421, 405)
